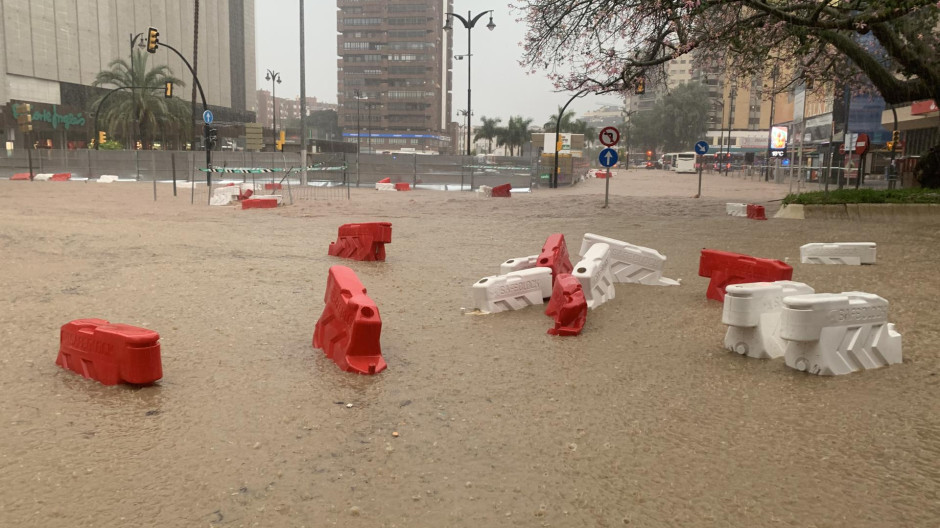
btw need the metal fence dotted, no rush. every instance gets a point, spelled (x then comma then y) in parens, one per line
(363, 170)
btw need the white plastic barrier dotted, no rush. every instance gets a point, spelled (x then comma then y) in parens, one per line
(593, 272)
(752, 313)
(107, 178)
(225, 194)
(833, 334)
(486, 191)
(736, 209)
(512, 291)
(630, 263)
(518, 263)
(384, 186)
(852, 253)
(42, 177)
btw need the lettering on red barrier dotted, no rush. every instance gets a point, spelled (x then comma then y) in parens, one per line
(502, 191)
(568, 306)
(110, 353)
(349, 329)
(726, 268)
(364, 242)
(555, 255)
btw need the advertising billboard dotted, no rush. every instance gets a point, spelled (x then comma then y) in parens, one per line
(778, 141)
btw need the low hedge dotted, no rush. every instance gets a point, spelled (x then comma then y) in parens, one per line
(853, 196)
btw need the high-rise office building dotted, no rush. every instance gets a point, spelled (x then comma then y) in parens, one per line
(394, 74)
(51, 51)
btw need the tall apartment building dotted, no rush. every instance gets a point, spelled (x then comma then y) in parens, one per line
(51, 51)
(394, 74)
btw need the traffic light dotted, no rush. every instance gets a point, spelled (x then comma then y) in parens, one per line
(168, 90)
(152, 40)
(212, 137)
(558, 146)
(102, 137)
(649, 155)
(640, 87)
(890, 145)
(896, 136)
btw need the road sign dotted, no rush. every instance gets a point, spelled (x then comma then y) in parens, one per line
(701, 148)
(608, 157)
(207, 117)
(610, 136)
(861, 144)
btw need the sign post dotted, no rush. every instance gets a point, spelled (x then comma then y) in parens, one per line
(608, 158)
(701, 148)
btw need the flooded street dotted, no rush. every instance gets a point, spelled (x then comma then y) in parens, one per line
(643, 420)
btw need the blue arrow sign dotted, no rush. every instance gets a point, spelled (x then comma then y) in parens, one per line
(608, 157)
(207, 117)
(701, 148)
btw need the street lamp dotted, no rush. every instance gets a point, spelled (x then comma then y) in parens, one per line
(468, 23)
(357, 95)
(136, 117)
(273, 76)
(770, 131)
(734, 92)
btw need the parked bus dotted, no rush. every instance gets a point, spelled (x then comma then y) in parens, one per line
(683, 162)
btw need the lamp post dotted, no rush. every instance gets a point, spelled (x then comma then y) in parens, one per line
(770, 131)
(466, 114)
(468, 23)
(734, 92)
(136, 117)
(273, 76)
(359, 97)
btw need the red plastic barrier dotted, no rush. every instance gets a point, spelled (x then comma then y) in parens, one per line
(555, 255)
(601, 174)
(726, 268)
(362, 241)
(110, 353)
(568, 306)
(756, 212)
(402, 186)
(348, 331)
(20, 176)
(259, 203)
(273, 186)
(385, 180)
(246, 195)
(61, 176)
(502, 191)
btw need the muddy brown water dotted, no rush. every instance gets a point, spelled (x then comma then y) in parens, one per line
(643, 420)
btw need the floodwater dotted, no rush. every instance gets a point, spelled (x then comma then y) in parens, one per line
(643, 420)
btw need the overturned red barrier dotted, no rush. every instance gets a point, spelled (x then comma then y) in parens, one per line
(756, 212)
(61, 176)
(555, 256)
(725, 268)
(601, 174)
(110, 353)
(568, 306)
(246, 195)
(273, 186)
(349, 328)
(402, 186)
(259, 203)
(362, 241)
(20, 176)
(385, 180)
(502, 191)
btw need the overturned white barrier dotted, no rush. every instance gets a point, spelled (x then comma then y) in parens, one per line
(833, 334)
(107, 178)
(593, 272)
(851, 253)
(736, 209)
(384, 186)
(485, 191)
(42, 177)
(630, 263)
(752, 313)
(512, 291)
(518, 263)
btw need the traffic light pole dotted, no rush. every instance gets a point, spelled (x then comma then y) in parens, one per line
(202, 95)
(553, 181)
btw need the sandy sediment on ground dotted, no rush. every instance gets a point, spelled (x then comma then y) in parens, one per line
(644, 419)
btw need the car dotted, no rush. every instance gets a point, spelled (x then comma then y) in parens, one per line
(650, 165)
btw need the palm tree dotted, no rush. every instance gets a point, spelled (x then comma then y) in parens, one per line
(143, 107)
(487, 131)
(566, 120)
(516, 134)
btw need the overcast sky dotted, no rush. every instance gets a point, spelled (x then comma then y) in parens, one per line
(500, 86)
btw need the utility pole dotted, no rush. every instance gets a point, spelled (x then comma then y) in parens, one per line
(303, 101)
